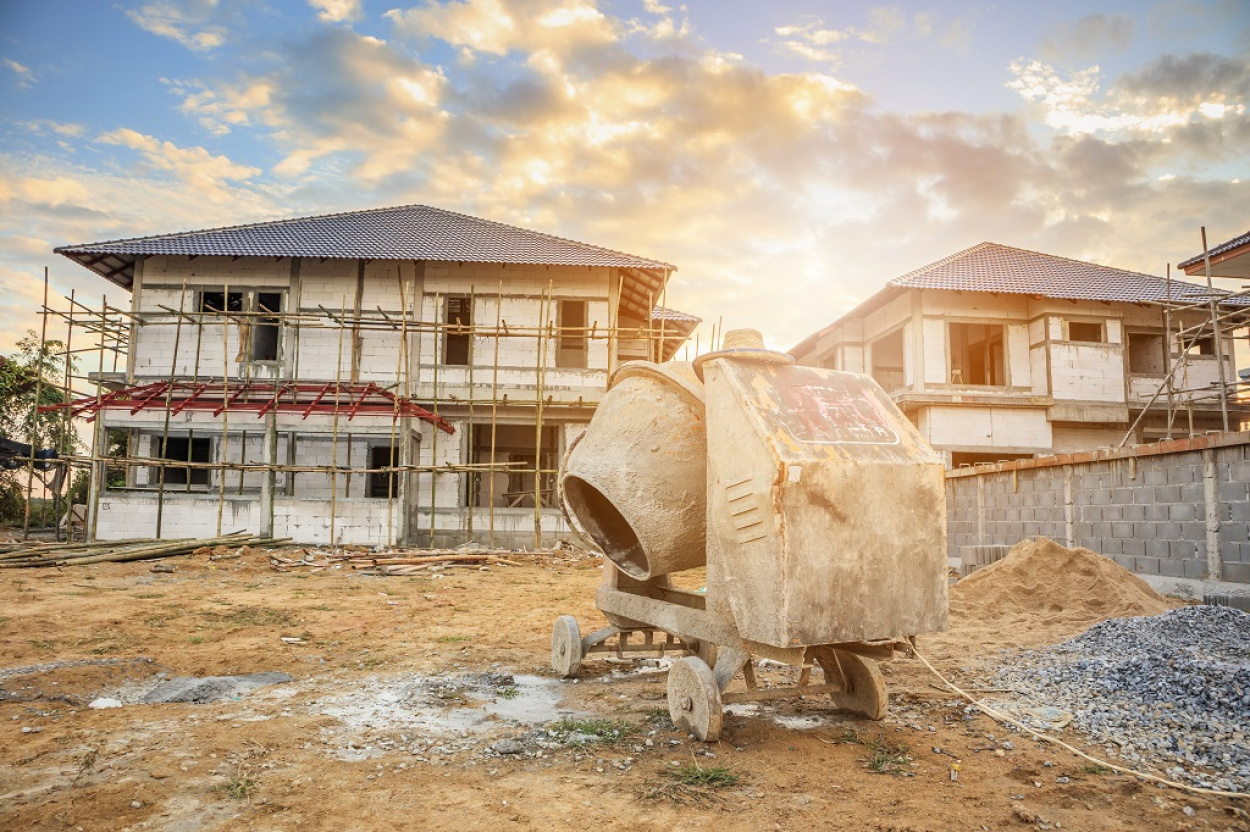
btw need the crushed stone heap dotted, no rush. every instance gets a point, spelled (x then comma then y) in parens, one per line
(1171, 690)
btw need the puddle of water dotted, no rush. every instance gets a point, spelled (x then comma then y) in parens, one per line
(469, 705)
(537, 700)
(743, 709)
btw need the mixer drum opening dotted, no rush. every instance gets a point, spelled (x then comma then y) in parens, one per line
(607, 526)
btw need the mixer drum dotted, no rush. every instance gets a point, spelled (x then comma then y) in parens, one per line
(637, 480)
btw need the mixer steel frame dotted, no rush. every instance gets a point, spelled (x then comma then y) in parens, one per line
(716, 654)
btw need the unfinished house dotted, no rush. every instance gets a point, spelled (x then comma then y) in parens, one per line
(405, 376)
(999, 353)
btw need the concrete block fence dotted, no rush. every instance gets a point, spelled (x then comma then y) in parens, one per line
(1179, 509)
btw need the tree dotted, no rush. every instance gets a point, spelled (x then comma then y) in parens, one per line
(31, 378)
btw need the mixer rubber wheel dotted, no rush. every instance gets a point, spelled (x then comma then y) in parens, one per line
(864, 690)
(705, 650)
(694, 701)
(566, 647)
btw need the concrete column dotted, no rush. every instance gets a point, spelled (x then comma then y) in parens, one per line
(1069, 508)
(1210, 498)
(980, 511)
(268, 482)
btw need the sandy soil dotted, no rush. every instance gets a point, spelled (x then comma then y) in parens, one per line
(388, 723)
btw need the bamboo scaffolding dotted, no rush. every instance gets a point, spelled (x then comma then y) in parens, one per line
(112, 330)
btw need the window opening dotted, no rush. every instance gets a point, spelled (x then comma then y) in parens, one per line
(514, 487)
(383, 483)
(1202, 346)
(1145, 354)
(184, 449)
(571, 346)
(977, 354)
(456, 342)
(219, 302)
(887, 361)
(265, 329)
(1086, 332)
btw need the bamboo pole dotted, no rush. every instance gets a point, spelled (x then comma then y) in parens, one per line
(225, 405)
(494, 410)
(98, 477)
(438, 311)
(334, 440)
(32, 431)
(543, 343)
(169, 394)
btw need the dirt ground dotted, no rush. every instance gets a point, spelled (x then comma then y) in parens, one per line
(403, 686)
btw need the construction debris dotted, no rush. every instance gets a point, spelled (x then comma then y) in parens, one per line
(403, 562)
(28, 555)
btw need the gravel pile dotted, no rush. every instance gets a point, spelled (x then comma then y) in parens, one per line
(1171, 691)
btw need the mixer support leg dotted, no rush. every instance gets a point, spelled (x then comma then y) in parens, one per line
(728, 663)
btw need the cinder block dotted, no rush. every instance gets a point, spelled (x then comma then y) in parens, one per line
(1181, 549)
(1146, 566)
(1102, 530)
(1113, 512)
(1125, 561)
(1158, 548)
(1156, 511)
(1231, 492)
(1169, 531)
(1180, 473)
(1134, 513)
(1111, 546)
(1135, 546)
(1195, 530)
(1168, 494)
(1235, 572)
(1122, 530)
(1172, 568)
(1195, 493)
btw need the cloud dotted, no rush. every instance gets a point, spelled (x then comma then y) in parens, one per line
(60, 128)
(206, 174)
(24, 75)
(813, 40)
(337, 11)
(497, 27)
(192, 23)
(1087, 39)
(1186, 103)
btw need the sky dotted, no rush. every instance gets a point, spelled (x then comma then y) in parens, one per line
(790, 157)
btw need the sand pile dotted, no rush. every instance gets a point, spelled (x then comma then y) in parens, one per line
(1043, 593)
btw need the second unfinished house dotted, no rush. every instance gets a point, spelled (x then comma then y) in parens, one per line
(401, 376)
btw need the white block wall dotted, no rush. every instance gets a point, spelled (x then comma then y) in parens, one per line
(989, 427)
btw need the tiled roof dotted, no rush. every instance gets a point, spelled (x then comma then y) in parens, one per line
(1236, 242)
(660, 313)
(409, 232)
(990, 267)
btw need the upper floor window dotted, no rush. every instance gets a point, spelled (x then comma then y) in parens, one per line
(1145, 354)
(1091, 332)
(458, 314)
(259, 333)
(887, 361)
(573, 338)
(978, 354)
(1202, 346)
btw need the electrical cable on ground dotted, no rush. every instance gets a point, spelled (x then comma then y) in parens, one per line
(1001, 717)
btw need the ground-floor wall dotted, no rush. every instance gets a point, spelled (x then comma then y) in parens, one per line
(1177, 509)
(469, 500)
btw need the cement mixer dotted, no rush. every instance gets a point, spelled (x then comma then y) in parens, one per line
(816, 507)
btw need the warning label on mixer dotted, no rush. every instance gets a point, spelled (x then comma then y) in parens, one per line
(831, 409)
